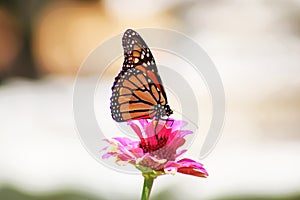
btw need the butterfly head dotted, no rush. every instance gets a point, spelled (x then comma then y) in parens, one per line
(168, 110)
(163, 110)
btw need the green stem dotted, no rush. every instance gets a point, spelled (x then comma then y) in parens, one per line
(148, 182)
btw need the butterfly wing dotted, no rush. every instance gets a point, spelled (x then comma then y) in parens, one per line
(136, 53)
(132, 97)
(138, 88)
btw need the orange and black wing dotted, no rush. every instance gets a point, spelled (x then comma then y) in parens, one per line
(136, 51)
(138, 89)
(135, 97)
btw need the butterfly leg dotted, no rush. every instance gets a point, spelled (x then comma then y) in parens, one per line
(155, 128)
(170, 120)
(157, 122)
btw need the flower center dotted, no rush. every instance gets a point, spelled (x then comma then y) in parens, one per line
(152, 144)
(158, 148)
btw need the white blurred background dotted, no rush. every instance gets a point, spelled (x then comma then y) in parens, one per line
(255, 46)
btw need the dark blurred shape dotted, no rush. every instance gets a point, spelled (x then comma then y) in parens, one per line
(54, 37)
(10, 42)
(17, 19)
(23, 64)
(288, 15)
(66, 31)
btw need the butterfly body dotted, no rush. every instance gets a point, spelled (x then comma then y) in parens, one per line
(137, 92)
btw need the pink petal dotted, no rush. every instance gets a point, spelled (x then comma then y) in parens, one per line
(149, 129)
(123, 140)
(107, 155)
(180, 153)
(183, 133)
(136, 128)
(186, 166)
(124, 158)
(123, 149)
(137, 152)
(143, 122)
(151, 162)
(187, 161)
(176, 143)
(178, 124)
(104, 148)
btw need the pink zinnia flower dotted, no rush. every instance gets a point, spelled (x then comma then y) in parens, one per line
(157, 150)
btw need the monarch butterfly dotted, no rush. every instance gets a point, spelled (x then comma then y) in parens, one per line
(137, 92)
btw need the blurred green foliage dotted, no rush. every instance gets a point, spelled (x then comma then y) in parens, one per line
(265, 197)
(11, 193)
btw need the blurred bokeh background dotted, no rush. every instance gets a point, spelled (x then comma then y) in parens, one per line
(255, 46)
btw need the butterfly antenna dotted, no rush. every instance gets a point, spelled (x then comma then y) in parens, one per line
(155, 128)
